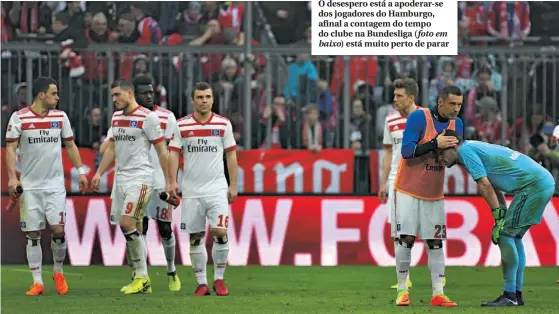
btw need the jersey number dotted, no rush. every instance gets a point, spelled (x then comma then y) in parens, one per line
(162, 213)
(440, 231)
(223, 222)
(129, 208)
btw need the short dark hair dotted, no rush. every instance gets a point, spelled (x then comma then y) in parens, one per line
(455, 134)
(41, 85)
(200, 86)
(124, 84)
(449, 90)
(62, 17)
(409, 84)
(484, 70)
(142, 80)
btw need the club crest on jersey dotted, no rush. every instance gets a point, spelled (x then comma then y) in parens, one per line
(215, 132)
(133, 124)
(54, 125)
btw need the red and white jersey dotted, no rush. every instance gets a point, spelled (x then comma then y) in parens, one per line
(393, 134)
(133, 135)
(168, 124)
(40, 147)
(203, 145)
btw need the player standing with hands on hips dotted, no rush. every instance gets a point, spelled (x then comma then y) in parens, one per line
(419, 189)
(203, 137)
(134, 130)
(498, 169)
(37, 130)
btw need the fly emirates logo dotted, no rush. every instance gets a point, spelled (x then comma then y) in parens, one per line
(201, 146)
(312, 231)
(122, 136)
(44, 137)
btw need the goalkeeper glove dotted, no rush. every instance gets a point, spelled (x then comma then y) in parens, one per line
(499, 216)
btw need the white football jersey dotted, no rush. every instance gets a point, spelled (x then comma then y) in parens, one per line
(393, 134)
(203, 146)
(40, 147)
(168, 124)
(133, 135)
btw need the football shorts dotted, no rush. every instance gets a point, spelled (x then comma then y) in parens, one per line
(392, 210)
(196, 211)
(158, 209)
(36, 206)
(416, 216)
(131, 200)
(525, 210)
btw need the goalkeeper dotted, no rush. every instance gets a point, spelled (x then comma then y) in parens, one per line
(498, 169)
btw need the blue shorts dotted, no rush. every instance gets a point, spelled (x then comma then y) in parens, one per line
(525, 210)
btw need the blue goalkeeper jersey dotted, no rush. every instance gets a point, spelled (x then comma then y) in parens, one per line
(506, 169)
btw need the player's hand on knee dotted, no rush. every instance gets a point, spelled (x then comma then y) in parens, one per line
(496, 232)
(231, 194)
(82, 180)
(382, 194)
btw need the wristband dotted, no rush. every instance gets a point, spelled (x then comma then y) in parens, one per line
(81, 171)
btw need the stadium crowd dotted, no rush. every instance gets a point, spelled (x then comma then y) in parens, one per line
(307, 106)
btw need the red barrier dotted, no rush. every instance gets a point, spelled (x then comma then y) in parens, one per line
(269, 171)
(315, 230)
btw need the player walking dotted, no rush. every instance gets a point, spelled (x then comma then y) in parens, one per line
(405, 93)
(134, 130)
(419, 188)
(498, 169)
(203, 137)
(37, 130)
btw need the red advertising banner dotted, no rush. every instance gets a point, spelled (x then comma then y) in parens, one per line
(298, 230)
(457, 179)
(268, 171)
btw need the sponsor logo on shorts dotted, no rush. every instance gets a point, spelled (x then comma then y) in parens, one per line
(183, 226)
(398, 227)
(112, 217)
(23, 224)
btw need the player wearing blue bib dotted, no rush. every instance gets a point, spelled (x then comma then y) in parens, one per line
(498, 169)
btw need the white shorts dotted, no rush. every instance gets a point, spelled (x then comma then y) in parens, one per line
(391, 211)
(195, 211)
(36, 205)
(159, 209)
(130, 201)
(415, 216)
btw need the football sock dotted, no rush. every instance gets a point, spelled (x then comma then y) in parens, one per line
(135, 243)
(403, 261)
(58, 246)
(199, 259)
(169, 249)
(436, 265)
(220, 252)
(35, 259)
(145, 243)
(396, 243)
(509, 262)
(521, 264)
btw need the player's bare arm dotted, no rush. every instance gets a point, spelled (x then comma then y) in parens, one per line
(173, 168)
(162, 154)
(106, 145)
(13, 181)
(386, 161)
(501, 197)
(488, 192)
(231, 157)
(106, 161)
(76, 159)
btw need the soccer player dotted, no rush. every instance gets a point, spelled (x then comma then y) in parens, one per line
(498, 169)
(419, 189)
(405, 93)
(37, 130)
(204, 137)
(157, 209)
(134, 130)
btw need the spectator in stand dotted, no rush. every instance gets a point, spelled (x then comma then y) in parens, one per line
(326, 105)
(128, 34)
(483, 87)
(150, 33)
(92, 129)
(189, 21)
(287, 19)
(473, 16)
(313, 132)
(30, 17)
(278, 114)
(74, 10)
(301, 81)
(543, 146)
(97, 65)
(5, 27)
(496, 77)
(360, 126)
(224, 85)
(361, 68)
(210, 63)
(488, 121)
(509, 21)
(210, 11)
(230, 19)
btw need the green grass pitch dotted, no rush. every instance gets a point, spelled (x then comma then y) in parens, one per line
(255, 289)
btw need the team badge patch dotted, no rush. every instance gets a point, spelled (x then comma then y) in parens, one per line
(54, 125)
(215, 132)
(133, 124)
